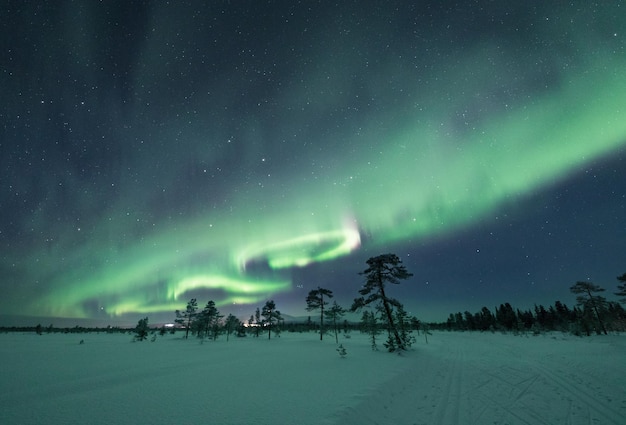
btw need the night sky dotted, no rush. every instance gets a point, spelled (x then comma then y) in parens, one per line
(249, 150)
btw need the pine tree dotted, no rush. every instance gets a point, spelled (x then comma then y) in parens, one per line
(526, 319)
(386, 268)
(141, 330)
(241, 330)
(469, 319)
(459, 323)
(404, 325)
(542, 316)
(616, 316)
(231, 324)
(342, 351)
(271, 316)
(258, 322)
(334, 313)
(506, 317)
(450, 322)
(416, 324)
(589, 301)
(209, 321)
(187, 317)
(308, 324)
(563, 316)
(315, 300)
(585, 319)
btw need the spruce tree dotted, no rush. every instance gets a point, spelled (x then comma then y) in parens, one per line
(562, 317)
(342, 351)
(141, 330)
(403, 322)
(369, 325)
(469, 319)
(541, 315)
(487, 320)
(315, 300)
(584, 320)
(506, 317)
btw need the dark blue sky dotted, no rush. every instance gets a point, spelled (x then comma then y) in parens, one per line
(242, 151)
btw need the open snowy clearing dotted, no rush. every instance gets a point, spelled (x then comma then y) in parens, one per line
(458, 378)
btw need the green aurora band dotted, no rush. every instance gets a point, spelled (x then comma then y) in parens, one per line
(426, 178)
(407, 191)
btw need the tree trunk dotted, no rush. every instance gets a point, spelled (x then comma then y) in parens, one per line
(187, 327)
(392, 326)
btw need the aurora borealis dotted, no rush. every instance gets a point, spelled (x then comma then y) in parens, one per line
(241, 151)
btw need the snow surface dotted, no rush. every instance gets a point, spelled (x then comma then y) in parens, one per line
(458, 378)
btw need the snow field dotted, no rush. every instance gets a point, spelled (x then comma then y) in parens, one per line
(458, 378)
(473, 378)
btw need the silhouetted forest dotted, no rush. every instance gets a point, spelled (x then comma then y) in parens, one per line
(579, 320)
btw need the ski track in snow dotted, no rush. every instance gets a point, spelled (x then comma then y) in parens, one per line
(508, 380)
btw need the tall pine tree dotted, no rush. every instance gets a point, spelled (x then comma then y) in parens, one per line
(209, 321)
(334, 313)
(315, 300)
(186, 318)
(384, 269)
(231, 324)
(270, 316)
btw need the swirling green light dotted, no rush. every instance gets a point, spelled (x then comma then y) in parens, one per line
(154, 275)
(236, 287)
(419, 177)
(303, 250)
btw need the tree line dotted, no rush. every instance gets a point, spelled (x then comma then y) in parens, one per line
(381, 313)
(592, 314)
(208, 323)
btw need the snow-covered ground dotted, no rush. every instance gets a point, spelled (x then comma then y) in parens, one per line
(458, 378)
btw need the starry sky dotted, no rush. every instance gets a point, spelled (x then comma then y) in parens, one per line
(240, 151)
